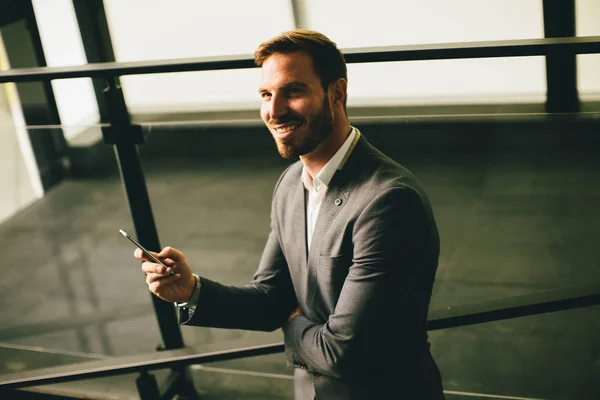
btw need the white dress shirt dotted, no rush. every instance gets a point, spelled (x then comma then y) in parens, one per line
(317, 186)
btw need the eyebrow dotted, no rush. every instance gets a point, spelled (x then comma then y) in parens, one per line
(288, 86)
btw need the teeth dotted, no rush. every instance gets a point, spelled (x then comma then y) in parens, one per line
(286, 128)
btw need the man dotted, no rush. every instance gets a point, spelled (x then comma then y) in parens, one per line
(349, 265)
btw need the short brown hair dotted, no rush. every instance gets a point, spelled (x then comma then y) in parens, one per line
(328, 60)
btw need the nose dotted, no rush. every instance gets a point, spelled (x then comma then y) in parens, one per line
(277, 107)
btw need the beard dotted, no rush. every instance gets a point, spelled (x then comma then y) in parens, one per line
(319, 128)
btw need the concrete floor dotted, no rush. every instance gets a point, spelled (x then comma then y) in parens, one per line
(514, 217)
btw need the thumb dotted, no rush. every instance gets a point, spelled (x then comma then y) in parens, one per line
(138, 253)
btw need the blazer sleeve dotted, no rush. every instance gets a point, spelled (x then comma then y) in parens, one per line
(263, 305)
(387, 243)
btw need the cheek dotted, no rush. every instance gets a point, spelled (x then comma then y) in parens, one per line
(264, 112)
(300, 108)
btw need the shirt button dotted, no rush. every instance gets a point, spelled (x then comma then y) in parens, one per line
(338, 202)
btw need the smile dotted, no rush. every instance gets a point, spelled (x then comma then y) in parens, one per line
(286, 128)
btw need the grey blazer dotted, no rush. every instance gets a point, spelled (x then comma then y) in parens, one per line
(364, 288)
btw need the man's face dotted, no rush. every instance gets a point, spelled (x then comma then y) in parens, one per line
(295, 107)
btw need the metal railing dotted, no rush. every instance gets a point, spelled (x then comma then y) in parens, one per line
(126, 137)
(451, 317)
(445, 51)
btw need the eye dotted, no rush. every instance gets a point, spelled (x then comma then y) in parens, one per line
(265, 95)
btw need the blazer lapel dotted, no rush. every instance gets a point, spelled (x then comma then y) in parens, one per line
(338, 193)
(299, 222)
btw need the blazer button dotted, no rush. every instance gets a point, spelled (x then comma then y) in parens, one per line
(338, 202)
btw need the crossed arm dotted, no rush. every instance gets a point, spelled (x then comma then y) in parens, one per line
(388, 241)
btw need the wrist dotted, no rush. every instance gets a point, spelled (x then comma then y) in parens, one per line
(195, 293)
(193, 283)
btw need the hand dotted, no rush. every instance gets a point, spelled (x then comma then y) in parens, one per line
(178, 287)
(295, 313)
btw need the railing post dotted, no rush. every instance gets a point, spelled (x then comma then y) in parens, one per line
(125, 137)
(147, 386)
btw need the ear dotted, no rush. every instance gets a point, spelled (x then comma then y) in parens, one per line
(338, 92)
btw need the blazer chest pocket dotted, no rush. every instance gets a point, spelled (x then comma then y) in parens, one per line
(331, 274)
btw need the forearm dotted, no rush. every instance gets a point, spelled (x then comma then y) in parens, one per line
(316, 348)
(252, 307)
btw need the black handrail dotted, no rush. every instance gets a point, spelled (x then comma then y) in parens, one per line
(471, 314)
(568, 298)
(501, 48)
(125, 365)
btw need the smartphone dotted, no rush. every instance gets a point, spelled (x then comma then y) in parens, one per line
(146, 252)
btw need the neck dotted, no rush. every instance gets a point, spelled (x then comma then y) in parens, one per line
(316, 159)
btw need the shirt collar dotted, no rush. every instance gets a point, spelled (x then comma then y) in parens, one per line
(321, 181)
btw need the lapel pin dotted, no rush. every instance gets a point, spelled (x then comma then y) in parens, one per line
(338, 202)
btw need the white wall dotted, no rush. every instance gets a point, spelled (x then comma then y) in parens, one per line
(19, 176)
(61, 41)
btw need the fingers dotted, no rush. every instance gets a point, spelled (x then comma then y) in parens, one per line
(168, 255)
(157, 285)
(138, 253)
(156, 273)
(168, 262)
(157, 269)
(152, 277)
(295, 313)
(173, 254)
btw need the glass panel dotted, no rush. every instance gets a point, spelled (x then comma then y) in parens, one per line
(69, 284)
(477, 81)
(386, 23)
(588, 65)
(515, 80)
(391, 23)
(512, 219)
(192, 91)
(516, 205)
(72, 291)
(156, 30)
(540, 357)
(587, 13)
(511, 80)
(213, 202)
(19, 170)
(20, 185)
(588, 79)
(142, 30)
(61, 41)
